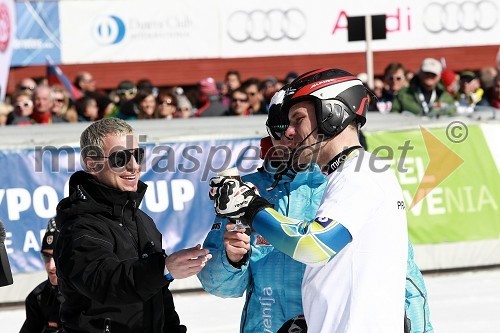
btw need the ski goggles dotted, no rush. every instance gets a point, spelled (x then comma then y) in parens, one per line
(276, 131)
(121, 158)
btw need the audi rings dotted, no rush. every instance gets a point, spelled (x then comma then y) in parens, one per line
(460, 16)
(259, 25)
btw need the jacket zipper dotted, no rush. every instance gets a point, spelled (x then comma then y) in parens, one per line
(126, 228)
(107, 325)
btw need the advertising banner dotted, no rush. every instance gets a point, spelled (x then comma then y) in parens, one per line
(266, 28)
(465, 205)
(112, 31)
(128, 30)
(176, 199)
(37, 34)
(448, 175)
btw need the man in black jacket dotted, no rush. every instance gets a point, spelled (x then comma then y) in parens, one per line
(112, 270)
(42, 304)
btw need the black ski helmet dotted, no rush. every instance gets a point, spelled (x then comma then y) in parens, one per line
(339, 98)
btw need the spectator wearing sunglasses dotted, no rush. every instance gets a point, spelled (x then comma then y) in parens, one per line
(43, 303)
(26, 85)
(61, 107)
(394, 81)
(112, 270)
(23, 108)
(425, 95)
(184, 107)
(166, 105)
(239, 103)
(125, 91)
(255, 97)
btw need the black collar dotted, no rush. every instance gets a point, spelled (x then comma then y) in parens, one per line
(337, 161)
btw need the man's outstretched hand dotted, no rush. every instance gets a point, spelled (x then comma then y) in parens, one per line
(187, 262)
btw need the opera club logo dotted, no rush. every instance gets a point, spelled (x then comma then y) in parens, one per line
(108, 30)
(5, 27)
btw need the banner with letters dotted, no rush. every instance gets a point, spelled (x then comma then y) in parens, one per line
(37, 35)
(112, 31)
(457, 222)
(465, 206)
(177, 196)
(128, 30)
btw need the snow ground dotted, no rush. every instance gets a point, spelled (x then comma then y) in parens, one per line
(459, 302)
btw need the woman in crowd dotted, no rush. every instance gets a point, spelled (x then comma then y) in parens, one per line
(184, 107)
(61, 107)
(87, 109)
(166, 105)
(23, 108)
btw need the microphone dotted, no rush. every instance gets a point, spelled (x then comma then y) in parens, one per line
(5, 273)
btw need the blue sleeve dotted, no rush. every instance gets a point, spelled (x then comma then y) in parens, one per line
(313, 243)
(219, 277)
(416, 301)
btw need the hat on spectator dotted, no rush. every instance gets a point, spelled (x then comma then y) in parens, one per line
(183, 101)
(431, 65)
(208, 86)
(50, 237)
(270, 81)
(467, 76)
(448, 76)
(126, 87)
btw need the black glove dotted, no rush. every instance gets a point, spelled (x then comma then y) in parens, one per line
(236, 199)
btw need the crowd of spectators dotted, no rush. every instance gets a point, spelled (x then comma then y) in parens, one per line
(432, 89)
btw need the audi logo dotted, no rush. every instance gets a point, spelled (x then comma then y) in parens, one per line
(259, 25)
(460, 16)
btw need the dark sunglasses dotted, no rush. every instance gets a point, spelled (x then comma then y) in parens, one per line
(59, 100)
(27, 88)
(46, 257)
(24, 104)
(126, 91)
(168, 101)
(276, 131)
(121, 158)
(396, 78)
(241, 100)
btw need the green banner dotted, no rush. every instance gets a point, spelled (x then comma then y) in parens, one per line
(465, 205)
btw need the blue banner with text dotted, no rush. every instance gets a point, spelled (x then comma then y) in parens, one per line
(177, 176)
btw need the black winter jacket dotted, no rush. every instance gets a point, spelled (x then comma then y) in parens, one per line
(110, 262)
(42, 309)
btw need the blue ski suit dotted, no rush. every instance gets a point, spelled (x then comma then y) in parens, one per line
(271, 279)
